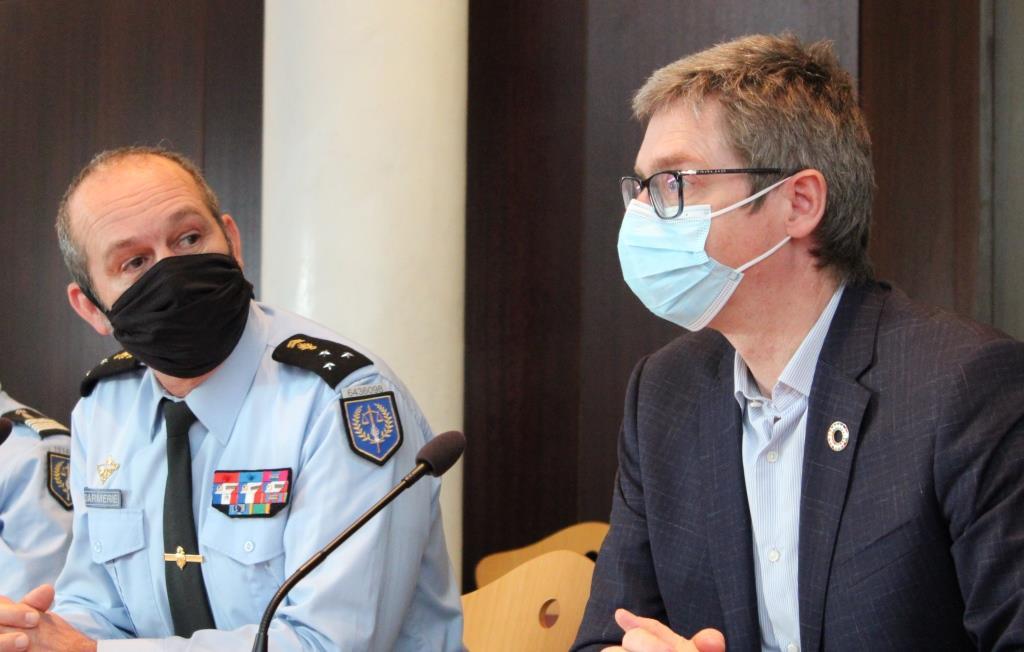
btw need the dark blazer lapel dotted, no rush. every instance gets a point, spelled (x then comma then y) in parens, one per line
(730, 538)
(836, 396)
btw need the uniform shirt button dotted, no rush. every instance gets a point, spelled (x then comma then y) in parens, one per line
(97, 546)
(792, 647)
(773, 457)
(774, 555)
(249, 546)
(755, 404)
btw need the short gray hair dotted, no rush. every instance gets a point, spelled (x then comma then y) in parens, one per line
(789, 106)
(74, 257)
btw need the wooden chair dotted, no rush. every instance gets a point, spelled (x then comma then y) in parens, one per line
(583, 538)
(538, 606)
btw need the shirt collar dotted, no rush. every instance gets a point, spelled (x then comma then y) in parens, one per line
(798, 374)
(217, 401)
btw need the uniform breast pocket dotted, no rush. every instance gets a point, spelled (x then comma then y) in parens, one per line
(245, 558)
(118, 539)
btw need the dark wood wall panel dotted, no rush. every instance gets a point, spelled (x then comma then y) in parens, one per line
(920, 90)
(79, 77)
(523, 210)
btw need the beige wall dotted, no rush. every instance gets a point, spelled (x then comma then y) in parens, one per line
(364, 188)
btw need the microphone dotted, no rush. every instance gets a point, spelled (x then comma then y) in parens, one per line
(6, 426)
(437, 456)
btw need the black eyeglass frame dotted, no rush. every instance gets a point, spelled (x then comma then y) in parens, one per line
(678, 175)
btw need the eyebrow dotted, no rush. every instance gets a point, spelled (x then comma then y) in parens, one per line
(179, 215)
(663, 163)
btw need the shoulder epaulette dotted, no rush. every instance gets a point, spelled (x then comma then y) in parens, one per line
(329, 360)
(37, 421)
(119, 363)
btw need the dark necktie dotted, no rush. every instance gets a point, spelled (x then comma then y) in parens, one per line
(186, 592)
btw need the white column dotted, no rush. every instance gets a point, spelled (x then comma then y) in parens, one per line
(364, 188)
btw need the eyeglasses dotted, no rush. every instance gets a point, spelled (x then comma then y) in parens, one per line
(666, 187)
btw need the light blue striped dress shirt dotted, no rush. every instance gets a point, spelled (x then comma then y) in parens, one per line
(774, 430)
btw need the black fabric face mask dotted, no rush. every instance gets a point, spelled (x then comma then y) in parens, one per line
(185, 315)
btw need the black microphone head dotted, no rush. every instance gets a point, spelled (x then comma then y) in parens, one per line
(6, 426)
(441, 452)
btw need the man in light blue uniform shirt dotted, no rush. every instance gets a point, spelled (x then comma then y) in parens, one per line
(187, 525)
(35, 499)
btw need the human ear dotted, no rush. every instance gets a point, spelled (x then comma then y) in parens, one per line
(234, 237)
(87, 310)
(806, 193)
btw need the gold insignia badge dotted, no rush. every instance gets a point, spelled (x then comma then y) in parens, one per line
(301, 344)
(123, 355)
(107, 469)
(180, 558)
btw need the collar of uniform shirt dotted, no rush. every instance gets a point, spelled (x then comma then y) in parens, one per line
(217, 401)
(799, 371)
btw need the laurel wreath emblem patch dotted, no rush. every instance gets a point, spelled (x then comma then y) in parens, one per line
(373, 426)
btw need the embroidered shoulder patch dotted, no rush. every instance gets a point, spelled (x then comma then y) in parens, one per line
(258, 493)
(373, 426)
(59, 466)
(119, 363)
(37, 421)
(329, 360)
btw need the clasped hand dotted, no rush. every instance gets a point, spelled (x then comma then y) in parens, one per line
(28, 625)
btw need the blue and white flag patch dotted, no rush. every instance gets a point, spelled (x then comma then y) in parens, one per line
(373, 426)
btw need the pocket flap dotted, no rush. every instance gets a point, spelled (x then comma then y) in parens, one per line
(246, 540)
(115, 533)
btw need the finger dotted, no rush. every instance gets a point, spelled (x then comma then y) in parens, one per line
(14, 642)
(18, 615)
(629, 621)
(40, 598)
(639, 639)
(709, 640)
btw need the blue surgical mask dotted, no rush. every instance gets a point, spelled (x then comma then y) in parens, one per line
(666, 264)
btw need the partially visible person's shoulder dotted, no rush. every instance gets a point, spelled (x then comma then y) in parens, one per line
(34, 439)
(28, 423)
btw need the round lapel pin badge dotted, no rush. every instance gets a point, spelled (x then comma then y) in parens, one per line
(838, 436)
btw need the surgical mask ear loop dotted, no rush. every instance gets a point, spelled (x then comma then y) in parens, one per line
(751, 198)
(744, 267)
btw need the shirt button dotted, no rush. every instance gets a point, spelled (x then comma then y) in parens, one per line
(755, 404)
(792, 647)
(97, 546)
(249, 546)
(774, 555)
(773, 457)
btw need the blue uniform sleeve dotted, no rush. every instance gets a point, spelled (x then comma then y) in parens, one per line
(35, 529)
(389, 587)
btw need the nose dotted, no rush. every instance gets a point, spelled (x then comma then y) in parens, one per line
(163, 251)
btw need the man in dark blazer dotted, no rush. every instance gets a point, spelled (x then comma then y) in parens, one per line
(823, 464)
